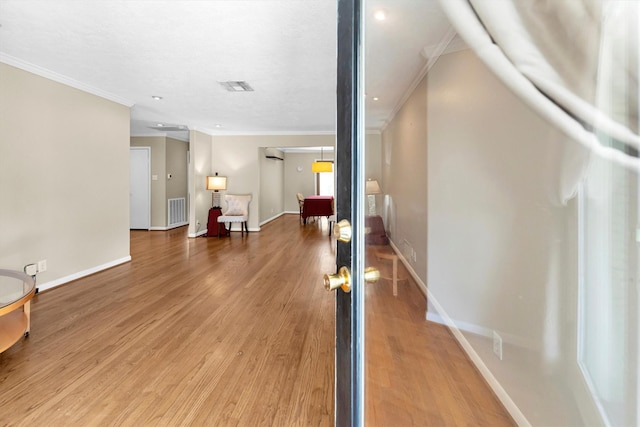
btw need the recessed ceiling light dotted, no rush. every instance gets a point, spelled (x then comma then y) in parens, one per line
(156, 97)
(380, 15)
(160, 125)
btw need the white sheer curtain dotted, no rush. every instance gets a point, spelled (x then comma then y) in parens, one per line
(575, 62)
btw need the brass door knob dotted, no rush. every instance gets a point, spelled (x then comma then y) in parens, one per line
(340, 280)
(342, 231)
(371, 274)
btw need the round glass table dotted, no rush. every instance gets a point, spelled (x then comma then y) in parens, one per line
(16, 291)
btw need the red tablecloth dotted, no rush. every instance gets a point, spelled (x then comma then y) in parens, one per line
(317, 206)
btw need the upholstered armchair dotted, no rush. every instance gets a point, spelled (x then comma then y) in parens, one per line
(237, 211)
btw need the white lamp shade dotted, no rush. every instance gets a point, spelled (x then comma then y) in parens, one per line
(372, 187)
(216, 183)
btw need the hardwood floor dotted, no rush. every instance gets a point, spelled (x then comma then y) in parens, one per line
(232, 331)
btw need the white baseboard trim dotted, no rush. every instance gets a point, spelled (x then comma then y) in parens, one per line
(182, 224)
(292, 212)
(443, 318)
(80, 274)
(199, 233)
(485, 332)
(412, 272)
(271, 219)
(495, 385)
(463, 326)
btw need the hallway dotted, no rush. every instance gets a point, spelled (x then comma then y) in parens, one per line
(232, 331)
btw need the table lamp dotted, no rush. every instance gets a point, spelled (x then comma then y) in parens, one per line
(216, 183)
(372, 188)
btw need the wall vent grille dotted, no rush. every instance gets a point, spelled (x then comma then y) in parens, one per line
(177, 212)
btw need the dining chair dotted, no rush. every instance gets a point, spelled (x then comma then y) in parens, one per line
(300, 203)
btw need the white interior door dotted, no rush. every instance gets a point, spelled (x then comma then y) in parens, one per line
(140, 188)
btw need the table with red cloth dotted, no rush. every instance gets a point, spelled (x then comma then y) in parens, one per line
(317, 206)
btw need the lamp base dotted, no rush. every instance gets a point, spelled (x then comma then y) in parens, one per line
(215, 199)
(371, 198)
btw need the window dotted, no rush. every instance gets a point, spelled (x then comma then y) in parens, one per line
(608, 324)
(325, 183)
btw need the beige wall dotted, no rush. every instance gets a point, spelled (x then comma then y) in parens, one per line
(299, 182)
(177, 167)
(502, 254)
(404, 179)
(200, 149)
(238, 158)
(271, 186)
(64, 178)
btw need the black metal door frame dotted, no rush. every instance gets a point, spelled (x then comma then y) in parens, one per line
(349, 395)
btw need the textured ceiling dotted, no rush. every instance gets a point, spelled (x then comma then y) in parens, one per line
(180, 49)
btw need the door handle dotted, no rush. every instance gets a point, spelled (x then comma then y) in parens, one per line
(342, 231)
(342, 279)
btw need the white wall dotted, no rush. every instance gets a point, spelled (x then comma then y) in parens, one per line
(64, 178)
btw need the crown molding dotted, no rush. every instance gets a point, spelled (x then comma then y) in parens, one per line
(51, 75)
(220, 132)
(434, 53)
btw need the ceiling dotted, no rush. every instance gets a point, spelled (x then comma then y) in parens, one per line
(132, 50)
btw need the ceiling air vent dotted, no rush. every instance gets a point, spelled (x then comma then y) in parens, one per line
(169, 128)
(236, 86)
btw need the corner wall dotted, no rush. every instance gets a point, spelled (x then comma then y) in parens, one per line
(200, 149)
(404, 176)
(64, 178)
(271, 187)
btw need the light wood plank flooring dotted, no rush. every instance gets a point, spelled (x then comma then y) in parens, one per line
(232, 331)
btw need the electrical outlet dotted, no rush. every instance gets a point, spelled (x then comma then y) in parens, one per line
(197, 223)
(414, 258)
(497, 345)
(42, 266)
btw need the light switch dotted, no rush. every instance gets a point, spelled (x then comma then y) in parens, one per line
(154, 177)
